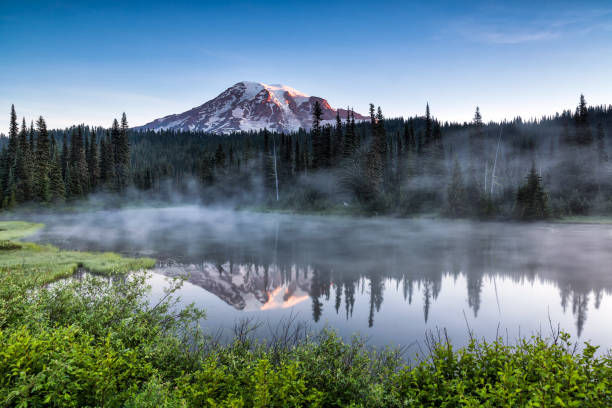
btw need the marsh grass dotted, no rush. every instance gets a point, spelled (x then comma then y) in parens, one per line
(45, 263)
(584, 219)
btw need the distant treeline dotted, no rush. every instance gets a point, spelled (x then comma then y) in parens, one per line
(533, 169)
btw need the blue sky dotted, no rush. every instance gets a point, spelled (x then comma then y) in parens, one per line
(86, 62)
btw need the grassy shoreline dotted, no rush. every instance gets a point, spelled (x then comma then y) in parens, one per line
(46, 263)
(586, 219)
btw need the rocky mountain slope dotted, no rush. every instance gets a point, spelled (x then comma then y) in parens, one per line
(250, 106)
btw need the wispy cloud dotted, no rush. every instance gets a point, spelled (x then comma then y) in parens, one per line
(505, 26)
(518, 36)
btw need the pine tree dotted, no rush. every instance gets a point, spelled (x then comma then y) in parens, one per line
(584, 136)
(356, 139)
(298, 157)
(79, 173)
(23, 167)
(207, 170)
(42, 162)
(380, 135)
(602, 154)
(57, 189)
(338, 142)
(327, 146)
(122, 154)
(267, 164)
(93, 163)
(32, 143)
(219, 157)
(319, 144)
(456, 194)
(374, 162)
(65, 158)
(437, 151)
(349, 138)
(107, 163)
(9, 160)
(428, 127)
(531, 200)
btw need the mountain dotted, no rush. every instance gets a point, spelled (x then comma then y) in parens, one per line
(251, 106)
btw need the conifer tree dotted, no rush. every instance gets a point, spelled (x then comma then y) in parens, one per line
(42, 162)
(602, 154)
(13, 145)
(93, 164)
(531, 199)
(319, 144)
(267, 164)
(356, 140)
(584, 136)
(107, 163)
(57, 189)
(207, 170)
(456, 194)
(327, 146)
(64, 157)
(428, 127)
(10, 155)
(297, 157)
(349, 138)
(338, 141)
(32, 143)
(79, 173)
(23, 167)
(122, 155)
(374, 162)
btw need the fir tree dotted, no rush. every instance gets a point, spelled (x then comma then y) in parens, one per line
(338, 141)
(57, 190)
(602, 154)
(531, 200)
(10, 156)
(319, 144)
(428, 127)
(107, 163)
(267, 164)
(23, 167)
(93, 163)
(456, 194)
(584, 136)
(42, 162)
(65, 157)
(122, 155)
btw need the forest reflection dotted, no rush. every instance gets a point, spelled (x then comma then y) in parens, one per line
(266, 261)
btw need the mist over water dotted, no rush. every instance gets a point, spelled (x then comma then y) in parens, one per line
(388, 279)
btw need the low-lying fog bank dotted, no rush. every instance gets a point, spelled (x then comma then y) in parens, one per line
(390, 279)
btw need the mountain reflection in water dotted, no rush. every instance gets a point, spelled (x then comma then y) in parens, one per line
(519, 274)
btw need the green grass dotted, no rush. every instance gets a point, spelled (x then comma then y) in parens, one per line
(45, 263)
(585, 219)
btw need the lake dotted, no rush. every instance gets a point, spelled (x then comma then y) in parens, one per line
(390, 280)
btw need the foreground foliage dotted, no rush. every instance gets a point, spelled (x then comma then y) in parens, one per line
(100, 341)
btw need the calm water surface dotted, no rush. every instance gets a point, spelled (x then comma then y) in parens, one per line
(390, 280)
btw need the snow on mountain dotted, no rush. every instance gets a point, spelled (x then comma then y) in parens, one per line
(251, 106)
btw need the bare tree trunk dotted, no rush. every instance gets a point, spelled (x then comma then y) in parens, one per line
(495, 161)
(275, 168)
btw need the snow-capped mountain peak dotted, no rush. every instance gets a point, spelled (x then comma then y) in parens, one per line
(249, 106)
